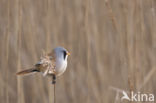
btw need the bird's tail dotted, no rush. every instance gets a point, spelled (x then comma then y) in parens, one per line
(27, 71)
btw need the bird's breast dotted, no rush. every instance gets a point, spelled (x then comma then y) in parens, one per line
(61, 66)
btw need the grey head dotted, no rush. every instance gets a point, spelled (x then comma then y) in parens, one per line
(61, 53)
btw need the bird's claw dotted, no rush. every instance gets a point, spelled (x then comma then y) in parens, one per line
(54, 79)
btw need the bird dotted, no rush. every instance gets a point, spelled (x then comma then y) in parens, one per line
(52, 64)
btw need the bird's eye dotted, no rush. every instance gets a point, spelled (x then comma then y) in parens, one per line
(64, 54)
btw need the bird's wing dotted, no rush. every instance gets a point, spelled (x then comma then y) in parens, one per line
(46, 65)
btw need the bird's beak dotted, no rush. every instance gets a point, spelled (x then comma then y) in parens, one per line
(68, 53)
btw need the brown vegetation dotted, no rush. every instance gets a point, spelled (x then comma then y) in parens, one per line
(112, 45)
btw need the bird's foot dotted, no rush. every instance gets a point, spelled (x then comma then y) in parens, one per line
(54, 79)
(53, 82)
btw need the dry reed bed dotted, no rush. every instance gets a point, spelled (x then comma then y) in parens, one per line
(112, 45)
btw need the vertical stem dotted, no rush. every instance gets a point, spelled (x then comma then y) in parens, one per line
(112, 16)
(47, 26)
(54, 93)
(7, 50)
(86, 26)
(19, 82)
(54, 82)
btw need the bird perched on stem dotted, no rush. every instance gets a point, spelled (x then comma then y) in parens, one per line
(53, 64)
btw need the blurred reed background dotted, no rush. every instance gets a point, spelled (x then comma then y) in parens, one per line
(112, 45)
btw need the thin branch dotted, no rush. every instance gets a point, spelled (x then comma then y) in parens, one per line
(54, 94)
(54, 83)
